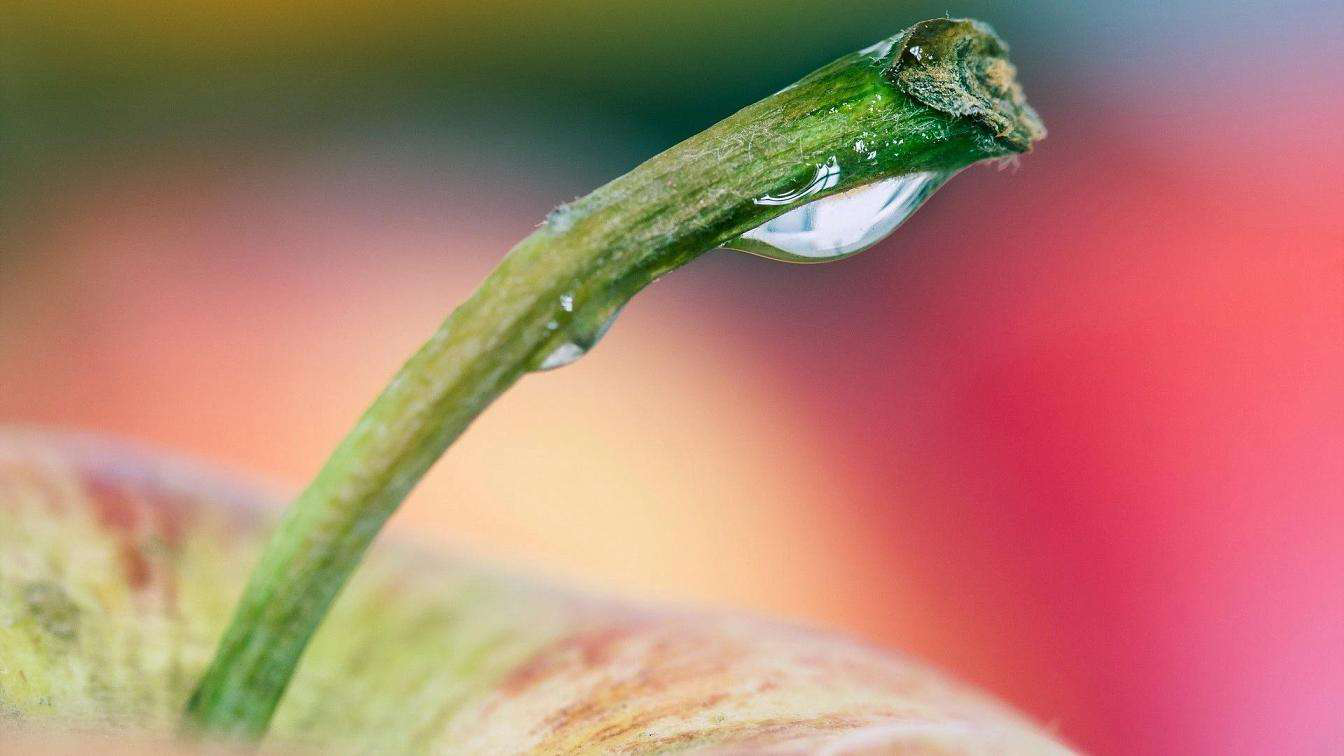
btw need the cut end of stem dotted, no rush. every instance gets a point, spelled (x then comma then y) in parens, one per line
(960, 66)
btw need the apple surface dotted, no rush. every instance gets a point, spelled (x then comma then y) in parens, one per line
(119, 569)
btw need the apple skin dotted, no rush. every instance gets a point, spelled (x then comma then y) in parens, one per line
(118, 570)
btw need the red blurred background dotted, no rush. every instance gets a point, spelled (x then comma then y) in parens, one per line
(1075, 433)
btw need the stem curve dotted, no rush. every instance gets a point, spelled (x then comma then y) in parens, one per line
(567, 279)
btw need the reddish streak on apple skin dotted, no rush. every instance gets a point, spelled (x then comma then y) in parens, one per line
(593, 649)
(122, 514)
(666, 664)
(145, 508)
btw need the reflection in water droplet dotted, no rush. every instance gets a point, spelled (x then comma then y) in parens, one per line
(842, 224)
(826, 177)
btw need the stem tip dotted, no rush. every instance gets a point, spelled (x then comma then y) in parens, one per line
(960, 66)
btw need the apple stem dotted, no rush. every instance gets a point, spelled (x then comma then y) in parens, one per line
(938, 96)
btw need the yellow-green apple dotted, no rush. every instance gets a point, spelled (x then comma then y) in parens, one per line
(118, 570)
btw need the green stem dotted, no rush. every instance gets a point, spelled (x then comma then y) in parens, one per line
(938, 96)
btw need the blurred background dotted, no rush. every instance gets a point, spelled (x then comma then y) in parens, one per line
(1075, 433)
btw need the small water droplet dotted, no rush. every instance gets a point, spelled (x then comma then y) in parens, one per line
(842, 224)
(826, 177)
(562, 355)
(567, 302)
(577, 346)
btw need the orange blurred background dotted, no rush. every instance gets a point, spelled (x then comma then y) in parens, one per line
(1075, 433)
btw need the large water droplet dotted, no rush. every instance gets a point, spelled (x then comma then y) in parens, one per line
(842, 224)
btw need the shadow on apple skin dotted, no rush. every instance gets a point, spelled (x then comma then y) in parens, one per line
(118, 570)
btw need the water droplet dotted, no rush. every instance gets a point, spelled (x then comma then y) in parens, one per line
(826, 177)
(562, 355)
(842, 224)
(567, 302)
(576, 347)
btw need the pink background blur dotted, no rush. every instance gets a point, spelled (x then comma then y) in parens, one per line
(1075, 433)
